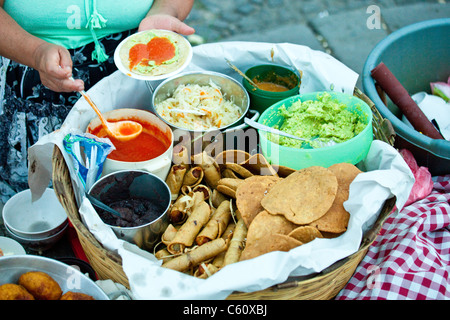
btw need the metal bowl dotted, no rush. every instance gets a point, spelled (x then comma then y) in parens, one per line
(125, 184)
(34, 220)
(230, 89)
(68, 277)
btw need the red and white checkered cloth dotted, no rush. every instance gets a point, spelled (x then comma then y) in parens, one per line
(410, 258)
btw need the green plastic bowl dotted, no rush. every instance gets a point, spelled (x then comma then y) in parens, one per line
(260, 100)
(351, 151)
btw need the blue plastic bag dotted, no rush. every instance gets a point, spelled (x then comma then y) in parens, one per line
(88, 153)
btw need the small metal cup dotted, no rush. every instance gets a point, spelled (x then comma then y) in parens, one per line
(125, 184)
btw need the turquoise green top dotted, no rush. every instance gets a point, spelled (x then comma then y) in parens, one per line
(74, 23)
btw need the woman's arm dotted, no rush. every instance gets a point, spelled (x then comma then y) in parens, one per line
(168, 14)
(178, 8)
(51, 61)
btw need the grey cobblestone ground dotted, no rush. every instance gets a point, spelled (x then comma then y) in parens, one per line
(216, 20)
(338, 27)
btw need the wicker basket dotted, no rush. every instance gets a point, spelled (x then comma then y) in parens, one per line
(324, 285)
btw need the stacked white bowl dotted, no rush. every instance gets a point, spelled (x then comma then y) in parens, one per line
(37, 225)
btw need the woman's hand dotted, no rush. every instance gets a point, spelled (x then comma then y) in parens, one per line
(166, 22)
(53, 62)
(54, 65)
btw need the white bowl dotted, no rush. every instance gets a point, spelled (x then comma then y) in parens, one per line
(40, 244)
(160, 165)
(68, 277)
(34, 220)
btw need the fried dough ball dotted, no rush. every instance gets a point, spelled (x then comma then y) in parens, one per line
(41, 285)
(11, 291)
(70, 295)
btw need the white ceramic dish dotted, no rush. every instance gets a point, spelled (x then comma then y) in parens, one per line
(125, 70)
(34, 220)
(10, 247)
(42, 244)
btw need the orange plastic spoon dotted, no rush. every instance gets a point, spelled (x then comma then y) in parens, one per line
(122, 130)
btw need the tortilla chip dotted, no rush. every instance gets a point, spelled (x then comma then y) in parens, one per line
(305, 234)
(249, 195)
(232, 156)
(304, 196)
(283, 171)
(330, 235)
(228, 173)
(274, 242)
(266, 224)
(258, 165)
(336, 218)
(239, 170)
(345, 173)
(228, 186)
(226, 190)
(268, 179)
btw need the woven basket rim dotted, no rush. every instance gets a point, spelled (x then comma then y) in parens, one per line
(109, 263)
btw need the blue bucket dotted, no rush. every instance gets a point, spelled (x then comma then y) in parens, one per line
(417, 55)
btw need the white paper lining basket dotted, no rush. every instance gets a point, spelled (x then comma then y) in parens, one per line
(320, 70)
(323, 285)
